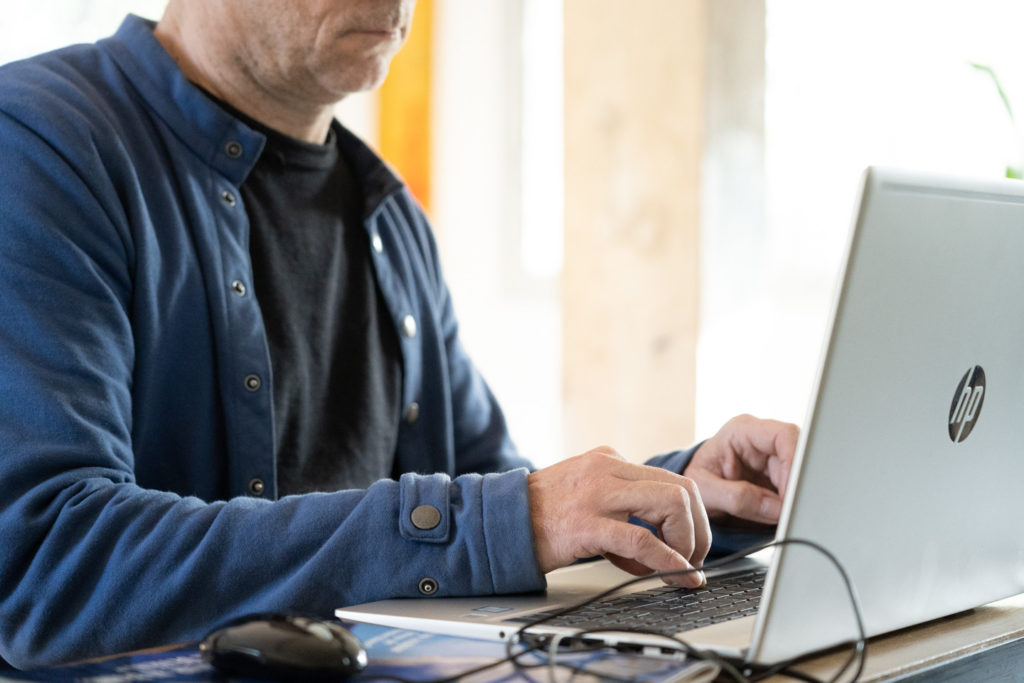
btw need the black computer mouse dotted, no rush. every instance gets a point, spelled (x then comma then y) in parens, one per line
(284, 647)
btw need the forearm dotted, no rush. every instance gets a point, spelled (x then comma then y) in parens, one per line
(96, 567)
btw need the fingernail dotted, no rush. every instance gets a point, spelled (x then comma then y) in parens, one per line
(771, 508)
(697, 580)
(692, 580)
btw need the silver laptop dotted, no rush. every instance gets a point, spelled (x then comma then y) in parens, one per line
(911, 460)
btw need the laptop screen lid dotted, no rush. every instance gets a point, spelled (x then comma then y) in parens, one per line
(909, 465)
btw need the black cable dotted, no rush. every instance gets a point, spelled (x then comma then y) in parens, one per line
(462, 674)
(785, 668)
(859, 645)
(732, 667)
(739, 670)
(690, 651)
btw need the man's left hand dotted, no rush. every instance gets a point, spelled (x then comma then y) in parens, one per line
(743, 470)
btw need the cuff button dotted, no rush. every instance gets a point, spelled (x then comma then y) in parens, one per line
(425, 517)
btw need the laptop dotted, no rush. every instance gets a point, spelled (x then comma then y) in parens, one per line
(909, 465)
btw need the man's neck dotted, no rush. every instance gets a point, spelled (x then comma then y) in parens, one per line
(232, 84)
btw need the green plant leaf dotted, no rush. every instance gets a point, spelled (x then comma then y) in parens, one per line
(985, 68)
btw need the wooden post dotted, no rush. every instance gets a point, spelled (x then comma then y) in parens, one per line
(634, 103)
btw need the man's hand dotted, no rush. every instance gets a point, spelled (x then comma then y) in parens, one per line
(743, 470)
(580, 508)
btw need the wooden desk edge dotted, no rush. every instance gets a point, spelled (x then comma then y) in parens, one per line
(934, 643)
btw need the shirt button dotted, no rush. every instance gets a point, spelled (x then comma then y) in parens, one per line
(238, 288)
(233, 149)
(428, 586)
(412, 412)
(425, 517)
(252, 382)
(377, 243)
(256, 487)
(228, 198)
(409, 326)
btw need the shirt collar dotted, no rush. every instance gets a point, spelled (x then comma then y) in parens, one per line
(220, 139)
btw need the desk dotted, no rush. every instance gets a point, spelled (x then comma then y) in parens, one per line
(984, 644)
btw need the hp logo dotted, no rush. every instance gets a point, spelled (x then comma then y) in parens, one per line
(966, 407)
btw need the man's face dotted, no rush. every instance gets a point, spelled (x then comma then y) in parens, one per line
(318, 50)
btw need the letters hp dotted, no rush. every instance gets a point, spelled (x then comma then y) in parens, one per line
(966, 406)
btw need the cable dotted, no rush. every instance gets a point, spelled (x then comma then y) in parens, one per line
(462, 674)
(723, 663)
(729, 665)
(739, 670)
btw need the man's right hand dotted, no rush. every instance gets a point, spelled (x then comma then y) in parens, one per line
(580, 508)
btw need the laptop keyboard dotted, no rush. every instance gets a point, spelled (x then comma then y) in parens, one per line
(668, 609)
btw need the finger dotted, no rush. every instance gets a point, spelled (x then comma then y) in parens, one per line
(635, 544)
(741, 499)
(692, 531)
(701, 528)
(633, 472)
(778, 473)
(767, 446)
(786, 439)
(631, 566)
(675, 509)
(637, 569)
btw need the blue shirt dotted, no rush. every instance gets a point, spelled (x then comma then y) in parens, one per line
(138, 500)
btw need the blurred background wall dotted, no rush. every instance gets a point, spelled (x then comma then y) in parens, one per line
(642, 206)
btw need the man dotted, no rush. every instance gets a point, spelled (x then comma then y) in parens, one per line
(215, 297)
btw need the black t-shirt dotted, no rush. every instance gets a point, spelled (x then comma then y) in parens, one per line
(334, 352)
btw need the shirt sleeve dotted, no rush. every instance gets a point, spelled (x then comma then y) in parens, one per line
(675, 461)
(92, 562)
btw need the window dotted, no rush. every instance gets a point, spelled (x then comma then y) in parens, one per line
(33, 27)
(876, 82)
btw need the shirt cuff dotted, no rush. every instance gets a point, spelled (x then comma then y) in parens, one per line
(508, 533)
(676, 461)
